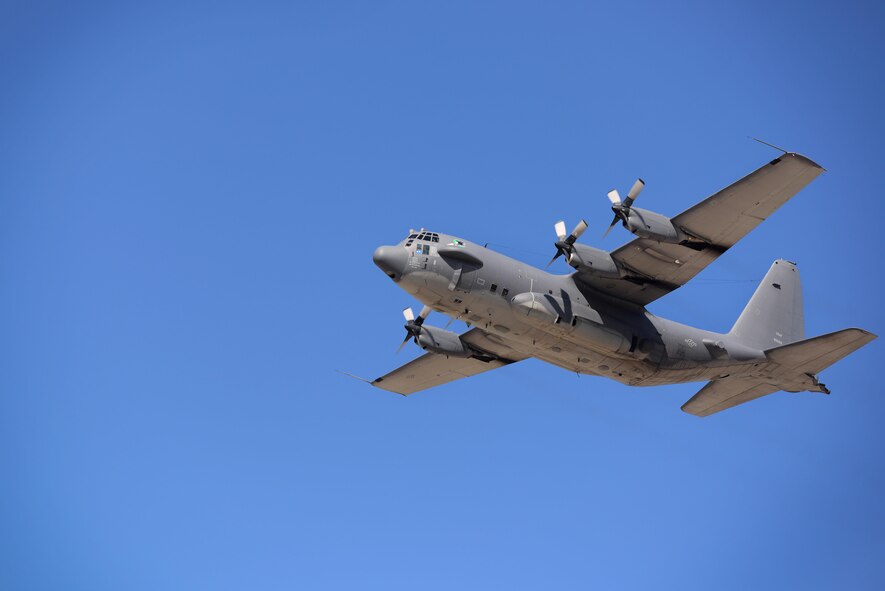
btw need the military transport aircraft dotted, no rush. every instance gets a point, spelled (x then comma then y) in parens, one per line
(593, 321)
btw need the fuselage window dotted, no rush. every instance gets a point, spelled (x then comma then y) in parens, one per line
(504, 292)
(493, 288)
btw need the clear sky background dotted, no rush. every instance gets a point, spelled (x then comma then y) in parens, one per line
(190, 194)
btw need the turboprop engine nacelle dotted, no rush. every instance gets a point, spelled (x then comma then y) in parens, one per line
(655, 226)
(593, 260)
(442, 341)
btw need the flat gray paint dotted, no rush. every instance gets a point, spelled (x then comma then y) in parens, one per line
(594, 321)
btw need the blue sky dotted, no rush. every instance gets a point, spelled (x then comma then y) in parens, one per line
(190, 197)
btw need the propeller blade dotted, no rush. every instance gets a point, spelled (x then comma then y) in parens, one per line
(413, 325)
(579, 229)
(564, 244)
(556, 256)
(560, 230)
(614, 221)
(635, 190)
(451, 320)
(614, 196)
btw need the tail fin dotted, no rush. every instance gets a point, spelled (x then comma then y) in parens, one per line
(774, 315)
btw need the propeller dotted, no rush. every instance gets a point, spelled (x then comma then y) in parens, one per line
(622, 208)
(413, 325)
(564, 243)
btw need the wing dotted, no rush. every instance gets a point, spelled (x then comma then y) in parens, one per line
(654, 269)
(432, 369)
(721, 394)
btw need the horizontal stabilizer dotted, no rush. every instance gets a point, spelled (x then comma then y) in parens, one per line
(818, 353)
(725, 393)
(809, 356)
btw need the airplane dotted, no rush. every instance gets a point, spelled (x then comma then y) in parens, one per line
(594, 320)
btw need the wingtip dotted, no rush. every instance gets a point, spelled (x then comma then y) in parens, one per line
(788, 153)
(806, 159)
(867, 334)
(687, 410)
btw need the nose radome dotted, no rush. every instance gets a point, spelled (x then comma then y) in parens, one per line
(391, 259)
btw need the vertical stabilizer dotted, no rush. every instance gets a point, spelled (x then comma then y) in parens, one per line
(774, 315)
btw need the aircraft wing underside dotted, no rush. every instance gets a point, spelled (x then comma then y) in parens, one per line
(654, 269)
(432, 369)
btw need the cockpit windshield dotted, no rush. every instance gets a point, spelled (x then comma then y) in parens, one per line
(422, 236)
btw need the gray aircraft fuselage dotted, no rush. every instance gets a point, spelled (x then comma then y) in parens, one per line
(560, 320)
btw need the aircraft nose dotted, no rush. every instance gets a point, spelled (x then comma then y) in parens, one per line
(392, 260)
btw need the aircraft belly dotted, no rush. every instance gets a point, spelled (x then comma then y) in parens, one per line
(581, 359)
(682, 373)
(560, 344)
(556, 344)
